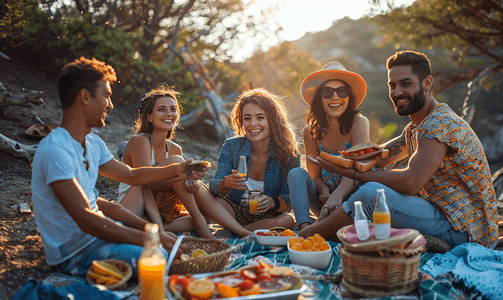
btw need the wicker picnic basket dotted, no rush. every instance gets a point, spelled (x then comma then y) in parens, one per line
(218, 254)
(377, 268)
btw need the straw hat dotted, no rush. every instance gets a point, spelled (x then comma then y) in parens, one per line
(333, 71)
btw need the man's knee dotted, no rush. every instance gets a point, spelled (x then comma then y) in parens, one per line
(366, 193)
(172, 160)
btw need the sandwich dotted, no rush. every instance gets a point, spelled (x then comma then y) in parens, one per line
(360, 150)
(362, 157)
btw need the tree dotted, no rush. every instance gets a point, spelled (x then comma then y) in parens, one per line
(471, 31)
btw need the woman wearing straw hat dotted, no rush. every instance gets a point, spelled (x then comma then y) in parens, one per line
(334, 124)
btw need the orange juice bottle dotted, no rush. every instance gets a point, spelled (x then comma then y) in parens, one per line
(152, 266)
(382, 218)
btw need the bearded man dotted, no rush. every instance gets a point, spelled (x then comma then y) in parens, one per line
(445, 191)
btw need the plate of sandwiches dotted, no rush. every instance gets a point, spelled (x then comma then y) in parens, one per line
(362, 157)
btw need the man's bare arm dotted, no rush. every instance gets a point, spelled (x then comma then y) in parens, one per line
(148, 175)
(422, 166)
(397, 153)
(73, 199)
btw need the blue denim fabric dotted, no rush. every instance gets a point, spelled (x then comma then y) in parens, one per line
(303, 187)
(275, 183)
(100, 250)
(407, 212)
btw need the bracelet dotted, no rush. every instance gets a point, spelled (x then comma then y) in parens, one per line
(221, 187)
(276, 204)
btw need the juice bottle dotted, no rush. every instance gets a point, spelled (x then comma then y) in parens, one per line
(361, 224)
(152, 266)
(382, 218)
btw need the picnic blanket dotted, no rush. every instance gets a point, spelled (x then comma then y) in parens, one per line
(438, 287)
(429, 288)
(474, 269)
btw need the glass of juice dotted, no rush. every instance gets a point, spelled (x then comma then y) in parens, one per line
(253, 201)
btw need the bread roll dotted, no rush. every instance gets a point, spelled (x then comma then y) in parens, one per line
(338, 160)
(365, 164)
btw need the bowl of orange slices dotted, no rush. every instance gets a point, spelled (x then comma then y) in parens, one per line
(112, 273)
(313, 251)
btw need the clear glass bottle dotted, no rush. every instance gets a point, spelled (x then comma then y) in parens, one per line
(382, 218)
(361, 223)
(152, 266)
(242, 168)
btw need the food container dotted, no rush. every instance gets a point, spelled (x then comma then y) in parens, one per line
(123, 266)
(314, 259)
(278, 241)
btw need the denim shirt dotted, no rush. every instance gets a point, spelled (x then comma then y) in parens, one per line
(275, 183)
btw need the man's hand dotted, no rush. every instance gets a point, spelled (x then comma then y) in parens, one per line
(184, 170)
(333, 168)
(325, 193)
(332, 203)
(168, 240)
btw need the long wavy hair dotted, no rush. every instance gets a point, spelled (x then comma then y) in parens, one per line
(141, 124)
(317, 119)
(283, 141)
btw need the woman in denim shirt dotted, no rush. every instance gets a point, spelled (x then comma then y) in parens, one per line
(265, 137)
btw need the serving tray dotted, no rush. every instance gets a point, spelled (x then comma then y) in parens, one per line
(277, 241)
(383, 153)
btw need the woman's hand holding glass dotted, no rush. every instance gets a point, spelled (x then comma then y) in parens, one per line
(265, 203)
(235, 181)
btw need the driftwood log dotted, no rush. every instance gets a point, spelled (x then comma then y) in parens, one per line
(17, 149)
(6, 99)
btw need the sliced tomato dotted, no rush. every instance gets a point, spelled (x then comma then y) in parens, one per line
(185, 280)
(264, 276)
(246, 284)
(173, 278)
(361, 152)
(345, 153)
(369, 150)
(247, 274)
(263, 266)
(260, 233)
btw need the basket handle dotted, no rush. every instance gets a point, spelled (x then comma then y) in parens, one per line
(172, 254)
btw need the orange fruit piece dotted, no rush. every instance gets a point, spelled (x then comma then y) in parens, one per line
(255, 290)
(287, 232)
(112, 282)
(105, 280)
(277, 271)
(103, 268)
(306, 244)
(92, 275)
(226, 291)
(324, 246)
(203, 288)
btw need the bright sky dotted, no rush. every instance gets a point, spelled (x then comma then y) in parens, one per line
(300, 16)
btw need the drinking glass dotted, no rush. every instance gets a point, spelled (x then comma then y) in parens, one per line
(242, 169)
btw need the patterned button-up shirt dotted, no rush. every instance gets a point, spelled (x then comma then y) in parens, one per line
(461, 188)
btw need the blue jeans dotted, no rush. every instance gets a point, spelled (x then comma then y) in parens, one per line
(407, 212)
(303, 195)
(100, 250)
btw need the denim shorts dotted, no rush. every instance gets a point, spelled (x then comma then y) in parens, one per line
(100, 250)
(407, 212)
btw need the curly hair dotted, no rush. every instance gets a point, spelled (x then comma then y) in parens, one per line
(317, 119)
(283, 141)
(141, 124)
(81, 74)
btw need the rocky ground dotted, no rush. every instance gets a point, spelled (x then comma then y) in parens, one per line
(21, 253)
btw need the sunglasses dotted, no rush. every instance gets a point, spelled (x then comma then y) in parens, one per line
(342, 91)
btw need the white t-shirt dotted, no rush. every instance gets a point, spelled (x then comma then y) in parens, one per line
(60, 157)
